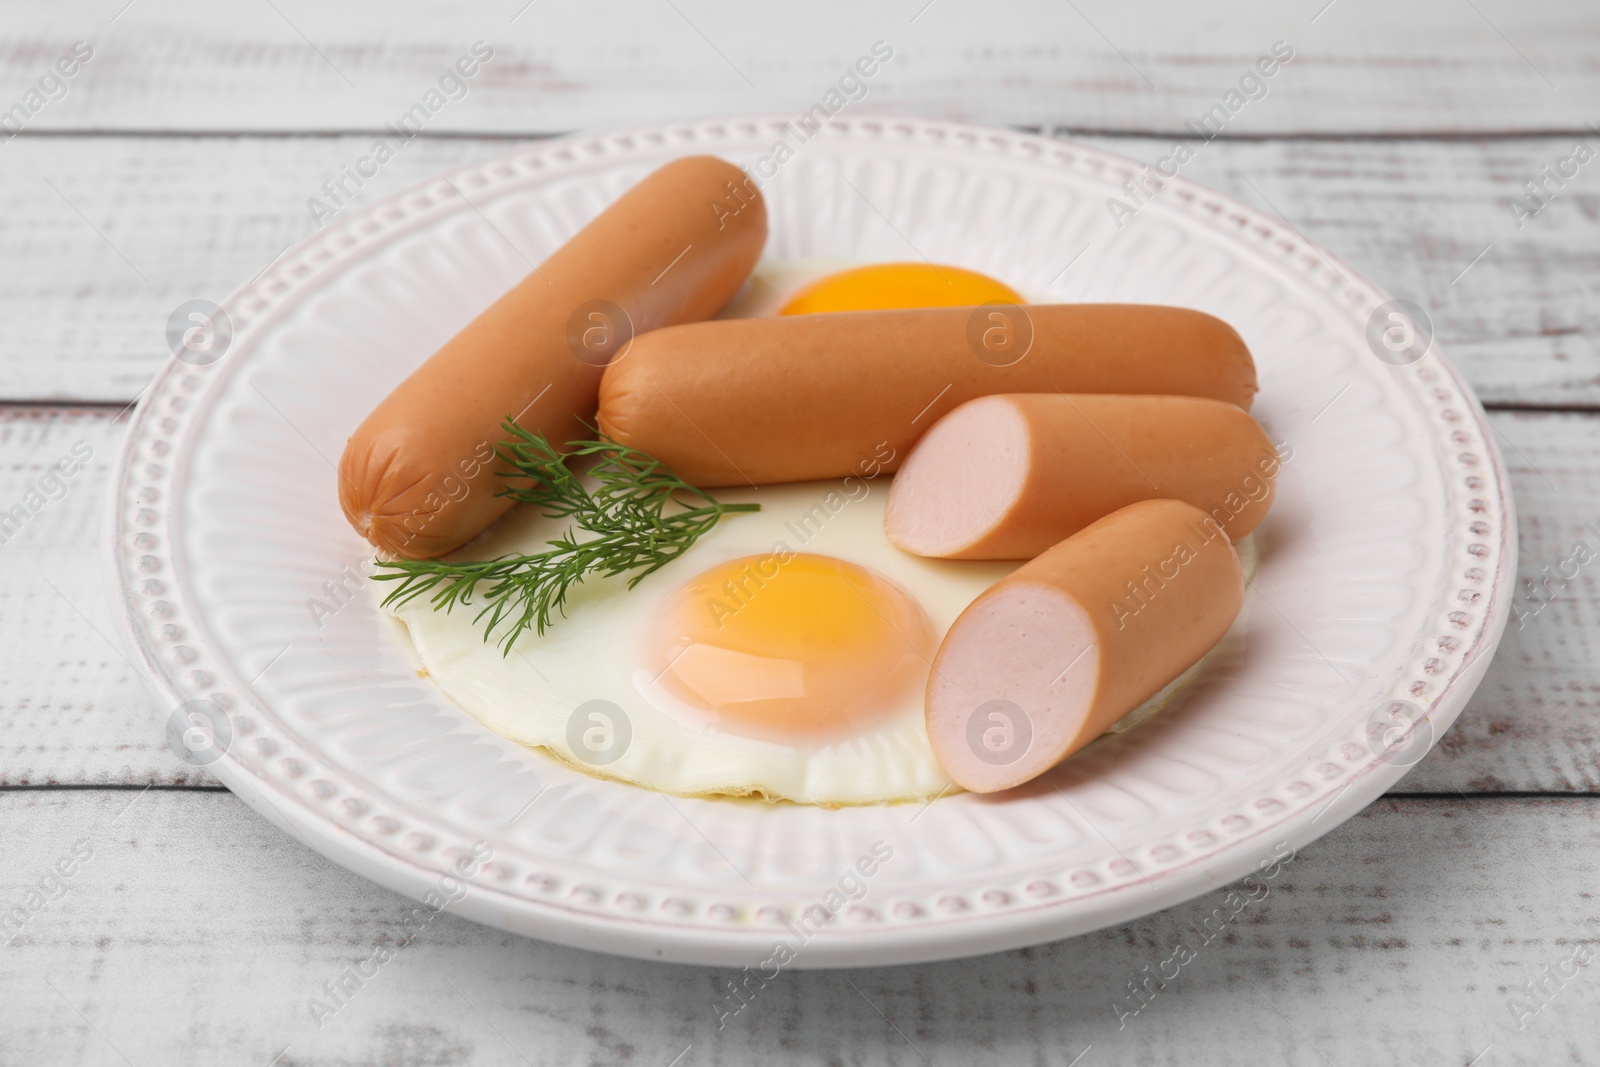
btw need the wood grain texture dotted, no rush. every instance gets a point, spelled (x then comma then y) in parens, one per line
(73, 708)
(74, 711)
(196, 933)
(1522, 322)
(1360, 65)
(111, 234)
(1534, 719)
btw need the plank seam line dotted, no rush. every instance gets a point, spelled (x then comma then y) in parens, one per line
(45, 404)
(1335, 136)
(198, 134)
(1542, 409)
(118, 787)
(108, 787)
(1466, 136)
(1493, 794)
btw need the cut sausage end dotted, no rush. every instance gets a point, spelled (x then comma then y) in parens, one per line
(994, 728)
(1045, 660)
(1010, 475)
(962, 479)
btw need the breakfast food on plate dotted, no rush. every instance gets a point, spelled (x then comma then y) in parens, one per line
(1043, 662)
(625, 519)
(417, 478)
(794, 398)
(784, 656)
(1007, 476)
(834, 635)
(879, 286)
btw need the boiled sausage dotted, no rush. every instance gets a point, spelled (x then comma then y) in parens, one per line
(418, 477)
(802, 397)
(1006, 477)
(1048, 657)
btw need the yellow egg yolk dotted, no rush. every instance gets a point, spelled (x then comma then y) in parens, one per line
(791, 644)
(898, 285)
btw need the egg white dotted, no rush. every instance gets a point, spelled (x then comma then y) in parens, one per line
(544, 693)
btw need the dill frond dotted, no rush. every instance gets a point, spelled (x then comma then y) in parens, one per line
(627, 510)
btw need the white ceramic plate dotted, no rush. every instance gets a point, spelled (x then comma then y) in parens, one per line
(1385, 572)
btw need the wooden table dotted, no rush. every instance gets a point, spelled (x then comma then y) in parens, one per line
(177, 162)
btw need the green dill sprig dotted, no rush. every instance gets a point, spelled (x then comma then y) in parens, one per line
(627, 510)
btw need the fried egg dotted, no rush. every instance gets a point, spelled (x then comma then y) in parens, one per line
(783, 656)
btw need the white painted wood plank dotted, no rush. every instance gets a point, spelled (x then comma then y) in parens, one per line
(1533, 723)
(196, 933)
(1360, 65)
(73, 708)
(106, 236)
(1523, 321)
(74, 711)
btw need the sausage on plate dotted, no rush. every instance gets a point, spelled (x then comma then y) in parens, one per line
(802, 397)
(1006, 477)
(418, 479)
(1061, 648)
